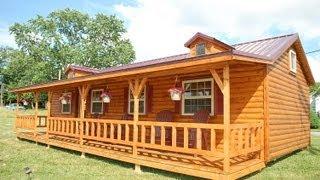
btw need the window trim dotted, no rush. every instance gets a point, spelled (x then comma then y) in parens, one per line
(69, 104)
(91, 103)
(212, 95)
(290, 61)
(204, 45)
(144, 102)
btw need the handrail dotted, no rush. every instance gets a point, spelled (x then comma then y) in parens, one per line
(188, 138)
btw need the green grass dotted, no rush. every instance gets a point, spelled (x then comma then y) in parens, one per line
(57, 163)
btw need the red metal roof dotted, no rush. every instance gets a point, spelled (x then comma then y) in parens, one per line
(269, 49)
(82, 68)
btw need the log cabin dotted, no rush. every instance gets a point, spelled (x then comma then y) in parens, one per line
(218, 111)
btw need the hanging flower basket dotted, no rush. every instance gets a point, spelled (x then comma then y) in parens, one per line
(175, 93)
(65, 98)
(106, 97)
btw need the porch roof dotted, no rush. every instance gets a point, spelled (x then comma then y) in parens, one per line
(265, 51)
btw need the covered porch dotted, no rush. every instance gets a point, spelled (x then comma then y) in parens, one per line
(226, 145)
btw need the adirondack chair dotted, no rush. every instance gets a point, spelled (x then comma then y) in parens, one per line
(201, 116)
(164, 116)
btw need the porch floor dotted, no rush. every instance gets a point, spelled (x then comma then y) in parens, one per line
(193, 165)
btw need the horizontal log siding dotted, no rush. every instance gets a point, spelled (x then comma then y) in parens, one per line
(288, 108)
(246, 91)
(56, 104)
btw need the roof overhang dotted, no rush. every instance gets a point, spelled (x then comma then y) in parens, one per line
(187, 62)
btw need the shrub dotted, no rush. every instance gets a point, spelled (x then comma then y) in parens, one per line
(314, 119)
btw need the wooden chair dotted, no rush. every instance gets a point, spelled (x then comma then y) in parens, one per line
(164, 116)
(201, 116)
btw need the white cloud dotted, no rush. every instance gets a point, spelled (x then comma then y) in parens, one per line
(160, 28)
(314, 63)
(6, 39)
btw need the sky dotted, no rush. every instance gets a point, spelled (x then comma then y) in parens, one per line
(160, 28)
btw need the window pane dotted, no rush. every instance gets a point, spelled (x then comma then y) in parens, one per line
(96, 107)
(194, 105)
(141, 106)
(66, 108)
(96, 96)
(200, 49)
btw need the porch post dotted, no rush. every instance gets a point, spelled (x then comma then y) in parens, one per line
(17, 111)
(136, 89)
(48, 116)
(226, 118)
(36, 99)
(83, 92)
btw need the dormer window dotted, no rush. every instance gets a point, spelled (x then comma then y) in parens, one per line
(293, 61)
(200, 49)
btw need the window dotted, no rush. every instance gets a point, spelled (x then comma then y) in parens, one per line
(66, 108)
(96, 102)
(142, 103)
(198, 95)
(200, 49)
(293, 61)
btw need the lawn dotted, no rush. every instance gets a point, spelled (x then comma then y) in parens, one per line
(58, 163)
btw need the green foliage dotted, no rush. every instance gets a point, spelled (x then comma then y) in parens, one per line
(48, 44)
(315, 89)
(314, 119)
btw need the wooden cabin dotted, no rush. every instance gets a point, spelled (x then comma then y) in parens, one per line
(218, 111)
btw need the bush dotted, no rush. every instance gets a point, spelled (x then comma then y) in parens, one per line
(314, 119)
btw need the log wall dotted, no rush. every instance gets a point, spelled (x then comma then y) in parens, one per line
(288, 100)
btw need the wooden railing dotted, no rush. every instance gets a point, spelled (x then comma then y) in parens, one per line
(104, 130)
(25, 122)
(64, 126)
(189, 138)
(245, 138)
(42, 121)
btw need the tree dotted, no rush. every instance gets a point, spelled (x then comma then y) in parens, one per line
(48, 44)
(69, 36)
(315, 89)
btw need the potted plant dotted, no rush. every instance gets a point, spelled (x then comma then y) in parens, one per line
(175, 93)
(65, 98)
(106, 97)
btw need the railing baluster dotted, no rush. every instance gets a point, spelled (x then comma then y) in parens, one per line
(152, 137)
(92, 128)
(252, 135)
(143, 134)
(111, 131)
(98, 130)
(163, 136)
(174, 136)
(104, 130)
(213, 139)
(247, 139)
(127, 133)
(119, 132)
(87, 128)
(240, 140)
(185, 138)
(199, 138)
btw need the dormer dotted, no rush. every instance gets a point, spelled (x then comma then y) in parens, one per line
(73, 71)
(201, 44)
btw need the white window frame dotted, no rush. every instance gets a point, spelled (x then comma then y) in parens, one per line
(91, 103)
(144, 102)
(62, 112)
(294, 70)
(212, 95)
(204, 45)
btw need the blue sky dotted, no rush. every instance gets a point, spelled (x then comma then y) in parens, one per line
(160, 28)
